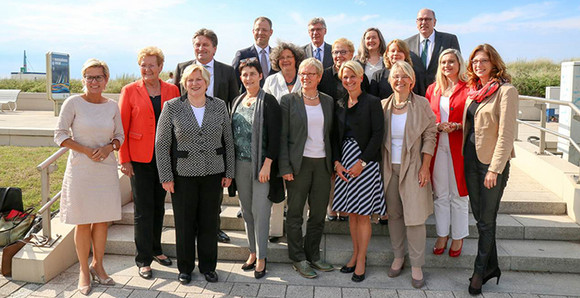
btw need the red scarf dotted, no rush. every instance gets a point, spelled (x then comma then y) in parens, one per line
(479, 94)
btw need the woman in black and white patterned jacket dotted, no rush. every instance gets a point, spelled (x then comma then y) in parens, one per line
(195, 158)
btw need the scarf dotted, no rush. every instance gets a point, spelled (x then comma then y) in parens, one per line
(484, 92)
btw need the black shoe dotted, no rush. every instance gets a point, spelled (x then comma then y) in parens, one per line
(331, 217)
(358, 278)
(346, 269)
(164, 262)
(184, 278)
(475, 280)
(247, 267)
(274, 239)
(211, 276)
(494, 273)
(145, 274)
(260, 274)
(239, 215)
(223, 237)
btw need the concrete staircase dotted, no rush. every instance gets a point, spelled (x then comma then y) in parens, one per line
(534, 234)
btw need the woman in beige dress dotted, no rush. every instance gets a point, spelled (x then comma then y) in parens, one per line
(90, 125)
(408, 146)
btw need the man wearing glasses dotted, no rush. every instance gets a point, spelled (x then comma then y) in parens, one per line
(262, 32)
(222, 84)
(318, 48)
(425, 48)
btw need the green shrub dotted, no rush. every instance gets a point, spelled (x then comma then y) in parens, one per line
(532, 77)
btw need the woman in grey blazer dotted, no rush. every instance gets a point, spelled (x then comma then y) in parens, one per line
(305, 164)
(195, 158)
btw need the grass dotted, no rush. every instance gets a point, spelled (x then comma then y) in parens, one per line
(18, 169)
(532, 77)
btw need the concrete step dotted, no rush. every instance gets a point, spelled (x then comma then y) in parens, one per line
(510, 226)
(519, 255)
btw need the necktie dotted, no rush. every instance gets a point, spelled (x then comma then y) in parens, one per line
(318, 55)
(264, 63)
(424, 53)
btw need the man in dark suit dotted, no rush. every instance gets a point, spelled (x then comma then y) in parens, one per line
(223, 83)
(318, 48)
(262, 32)
(425, 48)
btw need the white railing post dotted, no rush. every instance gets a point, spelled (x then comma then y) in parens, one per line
(45, 193)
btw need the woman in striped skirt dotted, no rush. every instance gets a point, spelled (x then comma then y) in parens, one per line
(358, 130)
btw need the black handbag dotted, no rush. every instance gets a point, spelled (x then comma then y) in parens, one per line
(10, 199)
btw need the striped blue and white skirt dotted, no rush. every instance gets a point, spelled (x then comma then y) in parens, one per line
(363, 195)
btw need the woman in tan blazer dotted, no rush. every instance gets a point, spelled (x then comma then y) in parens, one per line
(408, 146)
(488, 137)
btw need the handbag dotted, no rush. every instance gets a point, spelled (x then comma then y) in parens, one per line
(11, 199)
(13, 248)
(15, 225)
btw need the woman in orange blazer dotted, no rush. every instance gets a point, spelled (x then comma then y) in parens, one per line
(451, 206)
(140, 104)
(489, 133)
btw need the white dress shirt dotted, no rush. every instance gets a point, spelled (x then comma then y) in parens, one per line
(430, 46)
(276, 85)
(209, 67)
(259, 50)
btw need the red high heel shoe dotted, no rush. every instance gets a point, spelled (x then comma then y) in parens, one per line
(456, 253)
(440, 251)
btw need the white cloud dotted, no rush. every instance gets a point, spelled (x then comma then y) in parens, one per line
(369, 17)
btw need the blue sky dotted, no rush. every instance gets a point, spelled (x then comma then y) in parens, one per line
(114, 30)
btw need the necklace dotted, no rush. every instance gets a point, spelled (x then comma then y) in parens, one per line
(248, 101)
(311, 98)
(291, 83)
(402, 106)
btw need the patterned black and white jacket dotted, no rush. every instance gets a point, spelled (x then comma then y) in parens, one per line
(199, 151)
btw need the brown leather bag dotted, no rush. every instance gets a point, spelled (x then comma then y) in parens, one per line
(9, 252)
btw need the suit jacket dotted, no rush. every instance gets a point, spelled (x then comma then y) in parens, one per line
(420, 136)
(367, 125)
(456, 107)
(248, 53)
(199, 150)
(225, 85)
(495, 127)
(139, 120)
(295, 131)
(326, 60)
(426, 75)
(331, 85)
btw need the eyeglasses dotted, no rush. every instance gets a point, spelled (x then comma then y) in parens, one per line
(336, 53)
(480, 61)
(99, 78)
(420, 20)
(307, 74)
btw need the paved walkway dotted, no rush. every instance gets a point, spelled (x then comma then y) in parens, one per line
(282, 281)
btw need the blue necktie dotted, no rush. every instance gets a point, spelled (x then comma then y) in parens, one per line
(318, 54)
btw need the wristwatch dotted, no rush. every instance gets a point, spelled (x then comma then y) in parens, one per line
(363, 163)
(114, 146)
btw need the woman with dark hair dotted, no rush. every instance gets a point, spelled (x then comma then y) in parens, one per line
(397, 50)
(488, 136)
(371, 50)
(256, 130)
(356, 147)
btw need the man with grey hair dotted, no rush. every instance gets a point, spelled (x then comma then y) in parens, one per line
(425, 48)
(318, 48)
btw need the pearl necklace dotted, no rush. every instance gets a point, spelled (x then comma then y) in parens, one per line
(402, 106)
(311, 98)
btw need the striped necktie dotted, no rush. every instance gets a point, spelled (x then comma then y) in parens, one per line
(424, 53)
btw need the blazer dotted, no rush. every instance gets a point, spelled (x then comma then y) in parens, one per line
(495, 127)
(420, 136)
(456, 107)
(139, 120)
(426, 74)
(331, 84)
(326, 60)
(380, 86)
(199, 151)
(225, 85)
(367, 125)
(248, 53)
(295, 131)
(276, 85)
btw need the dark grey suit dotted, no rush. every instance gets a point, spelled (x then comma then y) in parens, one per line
(326, 60)
(248, 53)
(311, 176)
(426, 75)
(225, 85)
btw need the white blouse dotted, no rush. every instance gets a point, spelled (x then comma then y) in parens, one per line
(397, 135)
(276, 85)
(444, 111)
(314, 147)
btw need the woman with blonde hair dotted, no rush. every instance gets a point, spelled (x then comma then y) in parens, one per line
(447, 97)
(488, 136)
(90, 125)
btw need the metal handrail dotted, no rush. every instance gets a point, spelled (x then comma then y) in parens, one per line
(542, 102)
(45, 168)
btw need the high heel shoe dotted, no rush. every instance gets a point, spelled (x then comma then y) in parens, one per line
(346, 269)
(247, 267)
(440, 251)
(456, 253)
(86, 290)
(107, 282)
(473, 290)
(358, 278)
(394, 273)
(494, 273)
(260, 274)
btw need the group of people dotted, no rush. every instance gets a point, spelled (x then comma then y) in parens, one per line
(400, 131)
